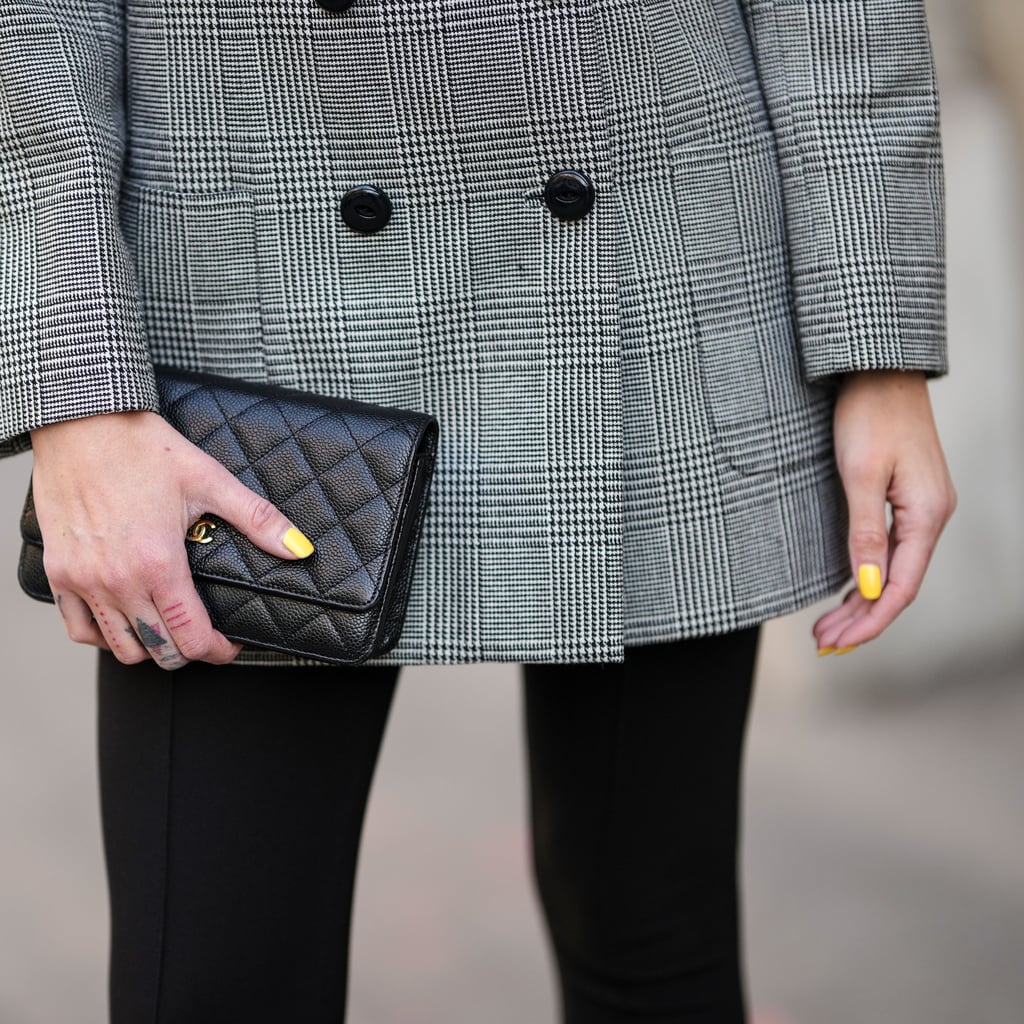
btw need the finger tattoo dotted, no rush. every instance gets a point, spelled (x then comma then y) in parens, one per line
(176, 616)
(150, 635)
(154, 641)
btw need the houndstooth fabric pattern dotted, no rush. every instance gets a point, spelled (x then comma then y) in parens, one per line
(635, 406)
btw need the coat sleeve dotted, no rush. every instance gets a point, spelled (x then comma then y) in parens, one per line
(851, 94)
(71, 338)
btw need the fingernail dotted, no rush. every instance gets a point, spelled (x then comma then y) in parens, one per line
(846, 650)
(869, 582)
(298, 543)
(822, 651)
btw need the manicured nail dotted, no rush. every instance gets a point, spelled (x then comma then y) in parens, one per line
(298, 543)
(822, 651)
(846, 650)
(869, 582)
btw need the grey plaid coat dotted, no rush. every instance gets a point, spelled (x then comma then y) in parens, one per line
(635, 400)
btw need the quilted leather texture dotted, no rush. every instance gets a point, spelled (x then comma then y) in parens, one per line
(353, 477)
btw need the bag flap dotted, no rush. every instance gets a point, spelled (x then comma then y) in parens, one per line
(340, 470)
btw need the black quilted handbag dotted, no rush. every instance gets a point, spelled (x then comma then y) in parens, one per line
(353, 477)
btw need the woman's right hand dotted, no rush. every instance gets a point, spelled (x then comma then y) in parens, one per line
(115, 495)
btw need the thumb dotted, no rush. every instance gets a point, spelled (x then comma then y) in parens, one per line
(869, 538)
(261, 521)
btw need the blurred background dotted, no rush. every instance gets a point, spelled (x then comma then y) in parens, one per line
(883, 865)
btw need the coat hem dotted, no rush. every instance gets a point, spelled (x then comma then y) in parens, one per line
(725, 621)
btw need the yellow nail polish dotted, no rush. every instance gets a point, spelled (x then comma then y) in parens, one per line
(846, 650)
(822, 651)
(869, 582)
(298, 543)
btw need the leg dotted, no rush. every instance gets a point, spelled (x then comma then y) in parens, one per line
(634, 790)
(232, 803)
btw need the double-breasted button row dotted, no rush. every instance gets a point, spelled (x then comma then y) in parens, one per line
(568, 194)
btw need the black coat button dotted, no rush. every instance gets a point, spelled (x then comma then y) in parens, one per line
(335, 6)
(569, 194)
(366, 208)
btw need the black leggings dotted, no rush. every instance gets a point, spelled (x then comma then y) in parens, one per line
(233, 799)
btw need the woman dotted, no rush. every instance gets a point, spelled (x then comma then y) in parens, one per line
(639, 259)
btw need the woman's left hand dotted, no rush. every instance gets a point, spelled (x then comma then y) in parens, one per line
(887, 450)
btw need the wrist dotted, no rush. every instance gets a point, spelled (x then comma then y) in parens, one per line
(99, 429)
(897, 379)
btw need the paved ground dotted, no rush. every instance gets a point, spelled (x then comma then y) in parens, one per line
(884, 828)
(883, 873)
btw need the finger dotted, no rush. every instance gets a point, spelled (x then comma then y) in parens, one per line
(78, 620)
(154, 635)
(869, 532)
(188, 624)
(906, 572)
(841, 612)
(120, 638)
(264, 524)
(831, 630)
(829, 627)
